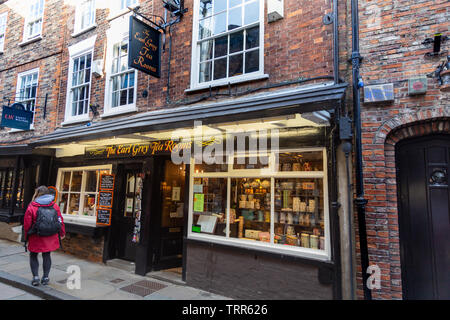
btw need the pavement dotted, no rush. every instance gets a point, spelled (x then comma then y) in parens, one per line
(72, 278)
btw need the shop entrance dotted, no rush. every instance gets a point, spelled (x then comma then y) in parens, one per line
(129, 207)
(423, 165)
(168, 215)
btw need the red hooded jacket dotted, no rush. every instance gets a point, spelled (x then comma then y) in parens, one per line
(35, 242)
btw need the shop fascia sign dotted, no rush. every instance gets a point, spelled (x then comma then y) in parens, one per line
(142, 150)
(16, 117)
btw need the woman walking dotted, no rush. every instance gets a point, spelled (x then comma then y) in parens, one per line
(42, 206)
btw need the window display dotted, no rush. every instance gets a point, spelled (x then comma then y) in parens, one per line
(78, 191)
(281, 205)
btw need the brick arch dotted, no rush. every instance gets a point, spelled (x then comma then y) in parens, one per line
(406, 119)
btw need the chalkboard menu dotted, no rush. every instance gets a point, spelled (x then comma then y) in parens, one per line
(105, 199)
(104, 216)
(107, 182)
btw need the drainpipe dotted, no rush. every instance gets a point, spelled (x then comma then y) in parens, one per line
(336, 41)
(360, 201)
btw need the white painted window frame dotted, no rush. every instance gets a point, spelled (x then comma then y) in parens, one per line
(195, 57)
(18, 93)
(117, 33)
(79, 219)
(116, 9)
(272, 174)
(78, 16)
(26, 37)
(3, 34)
(75, 51)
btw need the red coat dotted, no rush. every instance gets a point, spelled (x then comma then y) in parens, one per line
(35, 242)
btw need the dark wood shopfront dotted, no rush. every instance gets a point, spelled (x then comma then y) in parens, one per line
(423, 165)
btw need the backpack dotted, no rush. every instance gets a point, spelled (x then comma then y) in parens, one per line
(47, 222)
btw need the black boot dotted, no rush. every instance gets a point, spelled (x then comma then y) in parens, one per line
(45, 281)
(35, 281)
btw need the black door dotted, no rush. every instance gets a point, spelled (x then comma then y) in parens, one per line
(167, 235)
(423, 165)
(129, 206)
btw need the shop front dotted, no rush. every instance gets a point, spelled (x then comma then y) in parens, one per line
(240, 197)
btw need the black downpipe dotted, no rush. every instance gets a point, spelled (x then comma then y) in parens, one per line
(360, 201)
(336, 41)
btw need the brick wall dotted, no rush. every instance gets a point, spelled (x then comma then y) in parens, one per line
(84, 247)
(391, 34)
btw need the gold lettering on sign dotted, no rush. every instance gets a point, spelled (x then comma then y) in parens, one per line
(145, 51)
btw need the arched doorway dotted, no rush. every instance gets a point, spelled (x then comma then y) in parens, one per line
(423, 165)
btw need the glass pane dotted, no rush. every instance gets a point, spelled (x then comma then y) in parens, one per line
(123, 97)
(235, 18)
(220, 22)
(299, 213)
(220, 68)
(65, 181)
(80, 107)
(215, 167)
(221, 46)
(210, 204)
(115, 83)
(235, 3)
(87, 76)
(236, 65)
(74, 109)
(206, 48)
(220, 5)
(131, 79)
(252, 61)
(124, 81)
(205, 8)
(115, 99)
(205, 72)
(246, 162)
(74, 203)
(91, 181)
(130, 96)
(251, 13)
(76, 181)
(205, 28)
(300, 161)
(252, 39)
(250, 213)
(63, 202)
(237, 42)
(89, 205)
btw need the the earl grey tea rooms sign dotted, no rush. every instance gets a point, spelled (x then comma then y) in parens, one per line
(144, 51)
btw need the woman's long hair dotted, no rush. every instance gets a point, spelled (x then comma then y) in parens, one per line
(40, 191)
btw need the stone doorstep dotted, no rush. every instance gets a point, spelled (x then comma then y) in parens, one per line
(39, 291)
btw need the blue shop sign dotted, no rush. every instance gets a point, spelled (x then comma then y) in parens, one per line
(16, 117)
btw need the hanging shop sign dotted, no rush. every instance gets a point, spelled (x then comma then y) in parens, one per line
(16, 117)
(105, 199)
(144, 51)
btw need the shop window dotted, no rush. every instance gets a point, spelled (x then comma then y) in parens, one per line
(78, 192)
(34, 19)
(228, 41)
(276, 204)
(7, 188)
(3, 19)
(27, 85)
(84, 16)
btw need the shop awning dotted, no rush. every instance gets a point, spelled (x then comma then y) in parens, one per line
(269, 104)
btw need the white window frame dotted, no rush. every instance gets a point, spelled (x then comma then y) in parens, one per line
(79, 219)
(75, 51)
(195, 84)
(26, 36)
(18, 93)
(117, 33)
(116, 9)
(3, 34)
(79, 15)
(269, 173)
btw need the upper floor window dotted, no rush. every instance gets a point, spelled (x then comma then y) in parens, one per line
(85, 15)
(227, 41)
(3, 18)
(127, 3)
(33, 21)
(27, 84)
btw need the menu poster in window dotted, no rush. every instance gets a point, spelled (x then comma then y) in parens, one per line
(107, 182)
(103, 217)
(105, 199)
(207, 223)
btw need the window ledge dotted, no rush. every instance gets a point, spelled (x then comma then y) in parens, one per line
(75, 120)
(221, 83)
(116, 14)
(35, 39)
(107, 114)
(77, 33)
